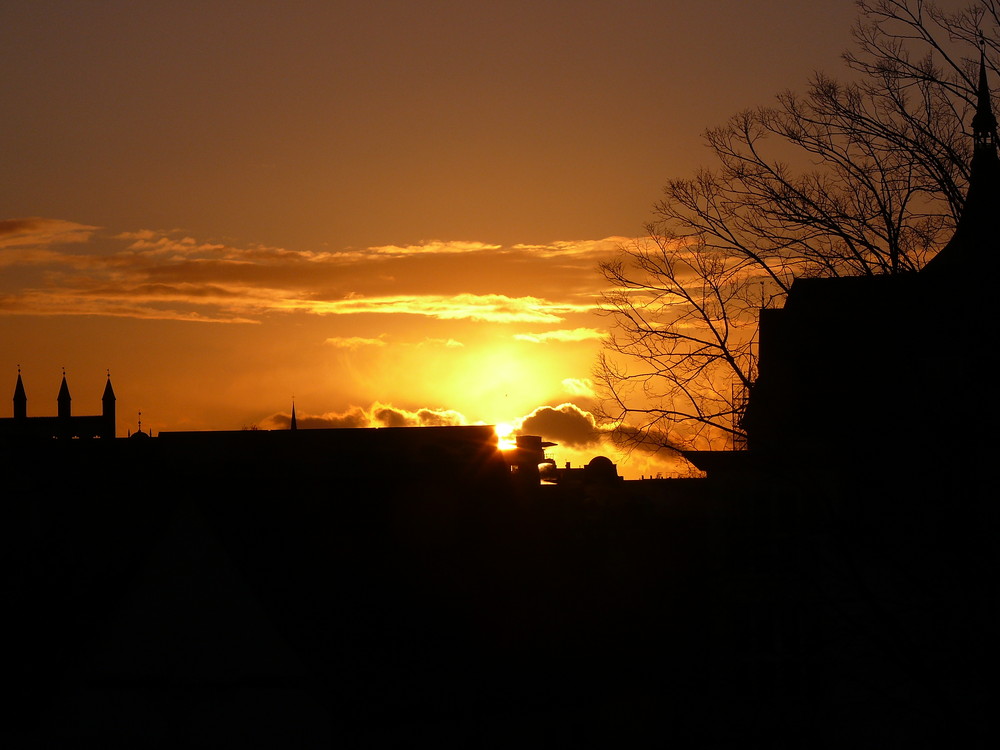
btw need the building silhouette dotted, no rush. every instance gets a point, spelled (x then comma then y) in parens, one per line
(881, 376)
(64, 425)
(856, 528)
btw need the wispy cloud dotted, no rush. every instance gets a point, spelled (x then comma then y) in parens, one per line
(41, 303)
(562, 248)
(580, 387)
(563, 335)
(67, 268)
(494, 308)
(435, 247)
(353, 342)
(36, 232)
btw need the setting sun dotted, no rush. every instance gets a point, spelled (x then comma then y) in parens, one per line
(505, 436)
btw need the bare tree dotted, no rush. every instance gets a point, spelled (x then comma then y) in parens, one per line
(851, 178)
(681, 318)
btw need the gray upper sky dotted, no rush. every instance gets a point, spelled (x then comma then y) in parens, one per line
(330, 124)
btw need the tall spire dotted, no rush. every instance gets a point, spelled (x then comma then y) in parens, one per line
(20, 398)
(108, 409)
(63, 399)
(109, 392)
(294, 425)
(984, 122)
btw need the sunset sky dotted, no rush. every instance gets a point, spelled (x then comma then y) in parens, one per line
(391, 212)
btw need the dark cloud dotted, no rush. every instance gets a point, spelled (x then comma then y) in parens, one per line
(377, 415)
(391, 416)
(566, 424)
(353, 417)
(19, 226)
(35, 231)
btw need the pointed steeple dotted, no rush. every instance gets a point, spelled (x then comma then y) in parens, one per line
(108, 409)
(63, 399)
(294, 425)
(20, 398)
(109, 393)
(984, 122)
(975, 246)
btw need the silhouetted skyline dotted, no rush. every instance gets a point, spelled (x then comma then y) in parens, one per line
(351, 203)
(828, 586)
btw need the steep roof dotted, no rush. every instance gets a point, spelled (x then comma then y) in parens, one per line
(976, 240)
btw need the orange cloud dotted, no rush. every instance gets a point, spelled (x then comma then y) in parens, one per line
(353, 342)
(169, 275)
(602, 247)
(494, 308)
(565, 335)
(36, 231)
(447, 343)
(434, 247)
(579, 387)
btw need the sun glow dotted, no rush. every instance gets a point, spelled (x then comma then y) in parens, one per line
(505, 436)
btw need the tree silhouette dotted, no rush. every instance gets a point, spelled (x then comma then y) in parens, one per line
(861, 177)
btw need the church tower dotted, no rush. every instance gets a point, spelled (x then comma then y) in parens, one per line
(108, 408)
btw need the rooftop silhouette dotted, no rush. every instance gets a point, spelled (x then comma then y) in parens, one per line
(64, 425)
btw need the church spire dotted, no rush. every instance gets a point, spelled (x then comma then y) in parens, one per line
(109, 392)
(108, 409)
(294, 425)
(984, 122)
(20, 398)
(63, 399)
